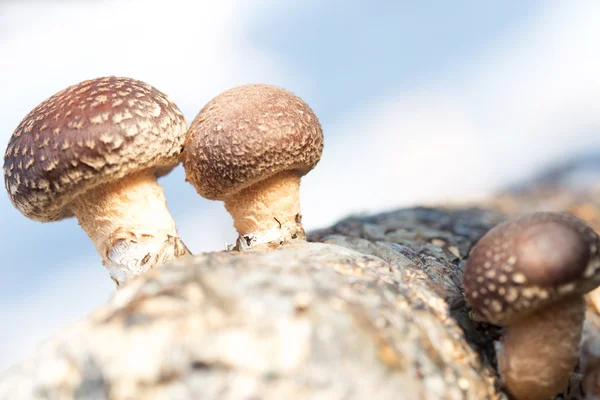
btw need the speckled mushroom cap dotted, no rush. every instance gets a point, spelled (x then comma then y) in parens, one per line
(248, 134)
(529, 262)
(91, 133)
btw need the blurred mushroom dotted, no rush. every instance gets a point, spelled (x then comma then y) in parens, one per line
(249, 147)
(529, 275)
(94, 151)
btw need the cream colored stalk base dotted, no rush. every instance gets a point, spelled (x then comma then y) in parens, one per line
(267, 214)
(130, 225)
(540, 352)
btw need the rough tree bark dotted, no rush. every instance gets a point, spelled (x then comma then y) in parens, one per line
(371, 308)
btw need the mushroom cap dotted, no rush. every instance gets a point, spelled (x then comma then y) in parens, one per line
(248, 134)
(86, 135)
(528, 263)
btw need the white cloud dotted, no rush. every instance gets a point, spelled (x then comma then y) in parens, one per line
(192, 50)
(536, 98)
(399, 152)
(527, 101)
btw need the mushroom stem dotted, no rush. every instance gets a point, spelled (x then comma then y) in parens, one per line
(530, 371)
(267, 212)
(130, 225)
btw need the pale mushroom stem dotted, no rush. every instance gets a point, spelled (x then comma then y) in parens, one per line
(540, 352)
(130, 225)
(268, 212)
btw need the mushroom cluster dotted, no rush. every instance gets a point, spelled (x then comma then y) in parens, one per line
(529, 275)
(95, 149)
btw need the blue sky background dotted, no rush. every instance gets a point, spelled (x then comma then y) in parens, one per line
(421, 102)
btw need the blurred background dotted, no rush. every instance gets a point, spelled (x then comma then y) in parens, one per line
(420, 102)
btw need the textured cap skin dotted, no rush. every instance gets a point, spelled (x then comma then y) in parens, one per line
(91, 133)
(529, 262)
(247, 134)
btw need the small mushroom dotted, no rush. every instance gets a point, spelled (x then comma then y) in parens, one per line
(529, 275)
(249, 147)
(94, 150)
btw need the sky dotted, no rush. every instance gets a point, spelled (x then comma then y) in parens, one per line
(420, 103)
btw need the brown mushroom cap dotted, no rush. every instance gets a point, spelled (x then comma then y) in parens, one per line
(248, 134)
(529, 262)
(89, 134)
